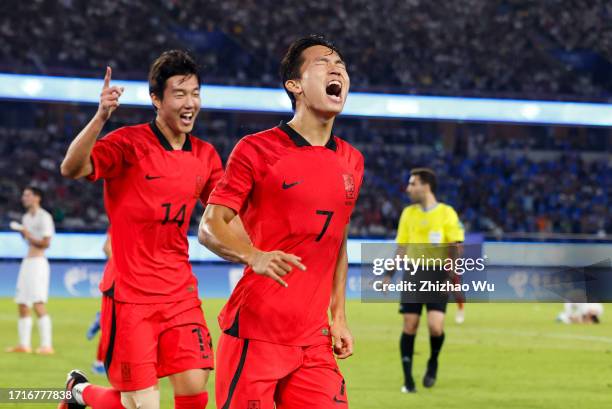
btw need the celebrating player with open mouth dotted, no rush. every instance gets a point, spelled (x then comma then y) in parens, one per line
(294, 187)
(154, 173)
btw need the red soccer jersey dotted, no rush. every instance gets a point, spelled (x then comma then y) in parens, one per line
(298, 198)
(150, 191)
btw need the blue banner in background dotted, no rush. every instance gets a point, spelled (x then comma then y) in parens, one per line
(255, 99)
(88, 246)
(81, 279)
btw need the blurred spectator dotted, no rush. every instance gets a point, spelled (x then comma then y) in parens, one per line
(511, 179)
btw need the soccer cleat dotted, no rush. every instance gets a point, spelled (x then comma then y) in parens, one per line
(98, 368)
(429, 379)
(460, 316)
(408, 389)
(19, 349)
(75, 377)
(45, 351)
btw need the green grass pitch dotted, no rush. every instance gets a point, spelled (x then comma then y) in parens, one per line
(503, 356)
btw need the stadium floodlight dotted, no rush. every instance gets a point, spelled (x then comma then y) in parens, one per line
(254, 99)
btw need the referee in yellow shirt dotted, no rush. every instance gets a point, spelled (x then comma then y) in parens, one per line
(422, 226)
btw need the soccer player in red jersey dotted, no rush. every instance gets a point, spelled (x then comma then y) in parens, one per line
(294, 187)
(153, 175)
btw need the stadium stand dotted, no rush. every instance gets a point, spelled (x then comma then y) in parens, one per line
(499, 179)
(497, 176)
(531, 49)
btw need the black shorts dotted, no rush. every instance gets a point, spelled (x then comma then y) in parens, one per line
(412, 301)
(417, 307)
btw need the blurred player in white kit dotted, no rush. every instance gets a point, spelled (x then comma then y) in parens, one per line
(33, 281)
(581, 313)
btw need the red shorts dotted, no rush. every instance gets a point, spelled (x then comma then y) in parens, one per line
(144, 342)
(255, 374)
(107, 305)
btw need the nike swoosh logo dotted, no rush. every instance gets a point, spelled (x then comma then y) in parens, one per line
(339, 400)
(152, 177)
(288, 185)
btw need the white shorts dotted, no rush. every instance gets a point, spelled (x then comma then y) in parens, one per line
(33, 281)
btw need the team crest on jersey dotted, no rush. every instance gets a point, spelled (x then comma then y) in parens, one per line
(349, 185)
(254, 404)
(199, 185)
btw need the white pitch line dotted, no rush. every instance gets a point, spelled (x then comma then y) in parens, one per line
(607, 340)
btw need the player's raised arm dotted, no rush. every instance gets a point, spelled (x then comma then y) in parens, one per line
(217, 234)
(77, 162)
(343, 339)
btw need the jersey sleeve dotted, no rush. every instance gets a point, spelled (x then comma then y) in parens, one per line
(216, 173)
(108, 156)
(48, 228)
(403, 232)
(453, 228)
(235, 185)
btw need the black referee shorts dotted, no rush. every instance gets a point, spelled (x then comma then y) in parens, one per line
(417, 307)
(412, 302)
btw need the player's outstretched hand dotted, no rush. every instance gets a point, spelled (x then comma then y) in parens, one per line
(342, 339)
(109, 97)
(275, 264)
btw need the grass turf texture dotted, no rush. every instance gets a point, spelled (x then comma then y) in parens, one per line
(503, 356)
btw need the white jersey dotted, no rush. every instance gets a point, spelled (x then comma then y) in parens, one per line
(576, 311)
(33, 278)
(39, 224)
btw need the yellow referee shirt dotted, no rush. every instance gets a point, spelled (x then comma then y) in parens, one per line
(425, 229)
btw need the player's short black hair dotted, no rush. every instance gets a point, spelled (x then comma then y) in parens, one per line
(35, 191)
(426, 176)
(292, 61)
(169, 64)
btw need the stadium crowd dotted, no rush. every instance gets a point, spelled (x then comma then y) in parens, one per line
(475, 47)
(472, 47)
(527, 183)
